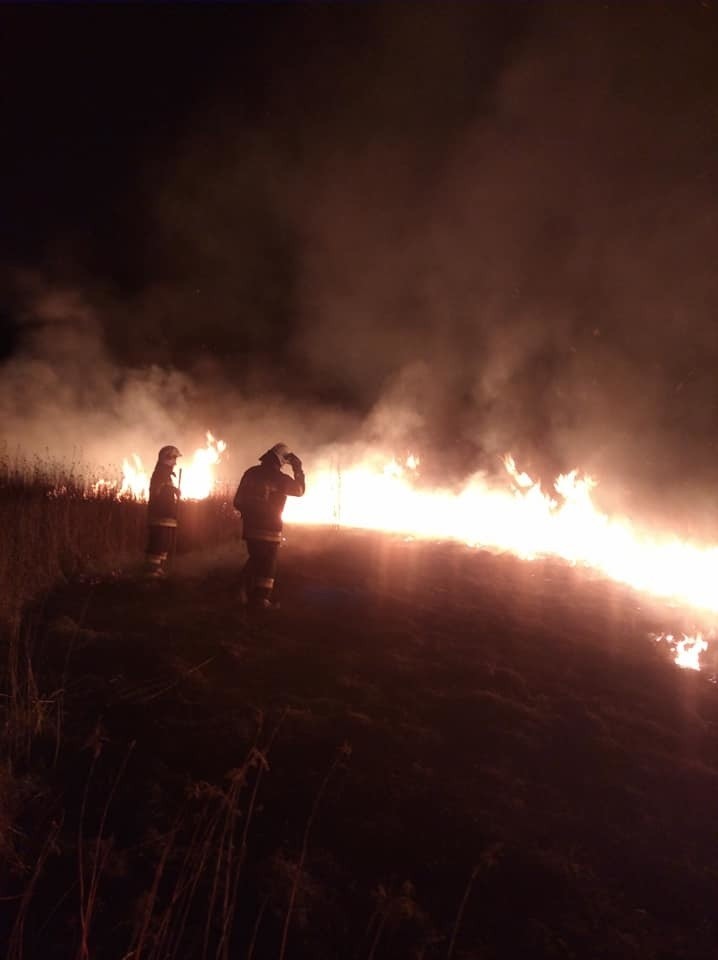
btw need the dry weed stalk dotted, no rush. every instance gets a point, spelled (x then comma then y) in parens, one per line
(343, 754)
(17, 937)
(214, 840)
(257, 924)
(258, 761)
(174, 918)
(138, 947)
(230, 903)
(392, 907)
(102, 849)
(488, 859)
(27, 712)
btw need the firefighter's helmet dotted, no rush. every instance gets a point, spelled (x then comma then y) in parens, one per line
(280, 451)
(168, 455)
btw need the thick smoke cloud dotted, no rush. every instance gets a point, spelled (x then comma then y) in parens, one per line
(557, 279)
(462, 230)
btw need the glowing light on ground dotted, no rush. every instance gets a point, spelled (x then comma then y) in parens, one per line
(687, 651)
(520, 518)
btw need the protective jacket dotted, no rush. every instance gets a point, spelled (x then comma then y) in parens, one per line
(261, 496)
(162, 504)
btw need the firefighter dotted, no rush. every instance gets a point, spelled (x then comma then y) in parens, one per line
(162, 512)
(260, 498)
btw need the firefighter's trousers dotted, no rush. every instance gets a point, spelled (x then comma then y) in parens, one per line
(160, 541)
(259, 571)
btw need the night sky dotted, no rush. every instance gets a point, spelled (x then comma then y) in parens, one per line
(460, 229)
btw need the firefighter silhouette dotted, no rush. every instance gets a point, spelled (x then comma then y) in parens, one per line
(260, 498)
(162, 512)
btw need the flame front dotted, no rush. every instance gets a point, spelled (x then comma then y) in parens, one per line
(523, 520)
(382, 494)
(196, 479)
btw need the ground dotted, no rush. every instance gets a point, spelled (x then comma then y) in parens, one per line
(426, 751)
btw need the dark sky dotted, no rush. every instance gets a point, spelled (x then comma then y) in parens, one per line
(469, 228)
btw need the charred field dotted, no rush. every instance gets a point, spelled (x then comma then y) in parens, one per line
(426, 751)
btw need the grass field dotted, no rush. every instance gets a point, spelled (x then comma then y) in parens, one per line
(55, 527)
(427, 751)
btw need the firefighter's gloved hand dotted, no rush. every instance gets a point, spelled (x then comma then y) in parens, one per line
(293, 460)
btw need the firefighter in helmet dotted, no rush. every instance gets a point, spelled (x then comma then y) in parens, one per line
(260, 498)
(162, 512)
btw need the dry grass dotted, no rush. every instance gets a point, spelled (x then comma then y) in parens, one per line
(519, 752)
(56, 527)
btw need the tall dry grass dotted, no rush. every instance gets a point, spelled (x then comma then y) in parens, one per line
(54, 525)
(57, 525)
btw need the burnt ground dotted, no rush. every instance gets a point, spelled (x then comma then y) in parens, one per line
(427, 751)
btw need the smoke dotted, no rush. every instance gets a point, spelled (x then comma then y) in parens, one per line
(457, 230)
(63, 396)
(547, 284)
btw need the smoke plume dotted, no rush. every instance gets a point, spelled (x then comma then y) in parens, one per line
(461, 230)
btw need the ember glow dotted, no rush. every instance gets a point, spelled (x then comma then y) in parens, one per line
(520, 518)
(196, 480)
(686, 651)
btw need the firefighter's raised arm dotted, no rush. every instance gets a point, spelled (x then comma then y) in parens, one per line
(297, 488)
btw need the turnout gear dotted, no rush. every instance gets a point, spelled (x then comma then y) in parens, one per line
(162, 512)
(262, 494)
(260, 498)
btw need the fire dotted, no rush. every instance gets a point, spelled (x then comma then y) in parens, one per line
(196, 478)
(522, 519)
(687, 651)
(135, 479)
(382, 494)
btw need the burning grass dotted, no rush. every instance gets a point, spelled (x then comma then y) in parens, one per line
(428, 751)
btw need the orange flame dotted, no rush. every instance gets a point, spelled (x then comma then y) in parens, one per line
(381, 494)
(135, 479)
(523, 520)
(197, 477)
